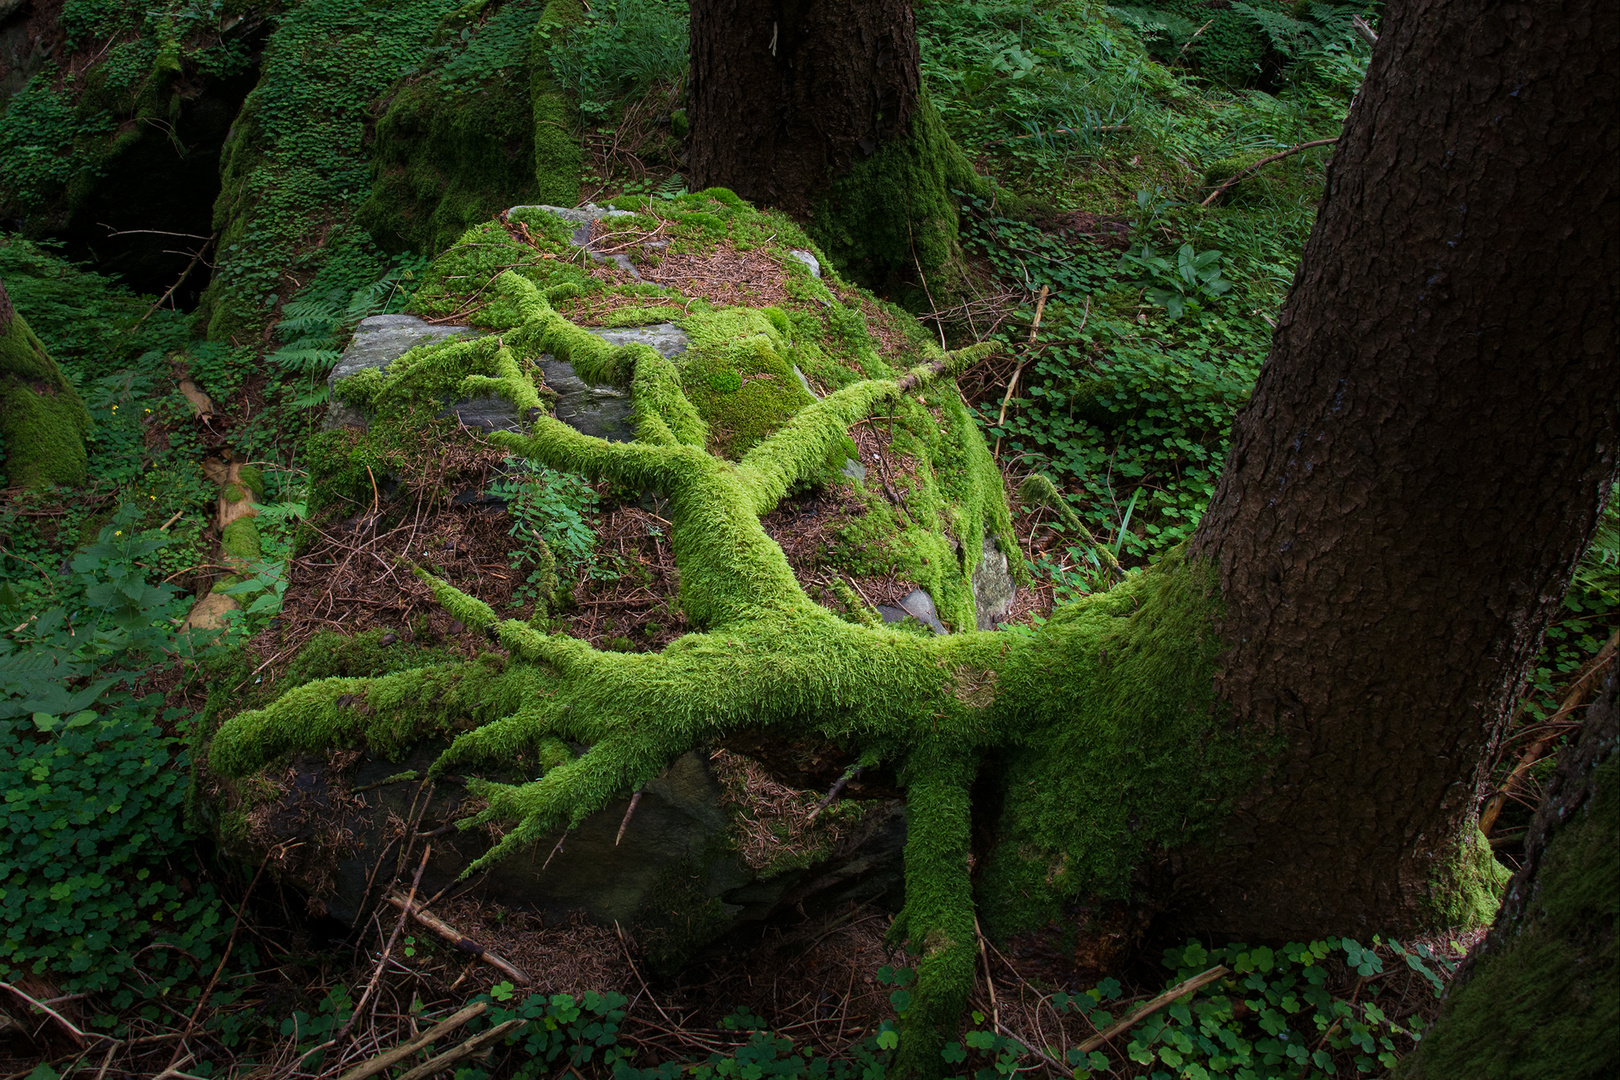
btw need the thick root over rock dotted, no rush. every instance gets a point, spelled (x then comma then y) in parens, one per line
(764, 656)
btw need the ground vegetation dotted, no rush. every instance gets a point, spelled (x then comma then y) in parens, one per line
(1131, 293)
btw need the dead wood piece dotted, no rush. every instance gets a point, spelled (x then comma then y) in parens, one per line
(460, 940)
(837, 787)
(1581, 689)
(435, 1065)
(1180, 990)
(388, 1059)
(1012, 383)
(625, 824)
(67, 1024)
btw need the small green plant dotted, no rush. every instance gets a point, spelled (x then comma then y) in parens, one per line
(1279, 1014)
(314, 325)
(623, 49)
(1192, 277)
(550, 520)
(91, 825)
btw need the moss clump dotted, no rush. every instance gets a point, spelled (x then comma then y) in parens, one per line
(1465, 892)
(558, 157)
(738, 375)
(1547, 1005)
(43, 420)
(1118, 693)
(240, 540)
(252, 478)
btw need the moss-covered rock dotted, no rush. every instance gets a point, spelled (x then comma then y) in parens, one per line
(43, 420)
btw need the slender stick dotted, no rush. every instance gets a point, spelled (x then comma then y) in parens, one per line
(384, 1061)
(644, 987)
(461, 941)
(59, 1018)
(1266, 161)
(435, 1065)
(382, 960)
(179, 281)
(1180, 990)
(849, 774)
(1012, 383)
(1577, 694)
(230, 944)
(623, 825)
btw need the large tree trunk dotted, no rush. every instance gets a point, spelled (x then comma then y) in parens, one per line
(816, 108)
(787, 94)
(1421, 464)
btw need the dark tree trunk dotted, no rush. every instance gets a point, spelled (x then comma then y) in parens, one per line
(787, 94)
(1422, 462)
(1543, 989)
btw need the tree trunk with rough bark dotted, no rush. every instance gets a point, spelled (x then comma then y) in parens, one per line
(816, 108)
(1421, 464)
(785, 94)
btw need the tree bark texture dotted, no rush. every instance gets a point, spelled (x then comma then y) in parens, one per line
(787, 94)
(1422, 461)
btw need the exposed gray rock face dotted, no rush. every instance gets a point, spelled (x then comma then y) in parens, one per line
(993, 586)
(603, 411)
(669, 339)
(583, 216)
(673, 868)
(378, 341)
(916, 604)
(808, 259)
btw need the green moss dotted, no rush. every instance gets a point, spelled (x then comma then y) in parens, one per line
(1546, 1006)
(558, 156)
(737, 374)
(1466, 891)
(43, 420)
(467, 139)
(296, 166)
(253, 479)
(763, 654)
(240, 539)
(1119, 766)
(231, 493)
(892, 217)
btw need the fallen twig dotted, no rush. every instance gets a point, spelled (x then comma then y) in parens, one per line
(67, 1024)
(625, 824)
(382, 961)
(637, 971)
(1266, 161)
(1012, 383)
(460, 940)
(1180, 990)
(388, 1059)
(1578, 692)
(438, 1064)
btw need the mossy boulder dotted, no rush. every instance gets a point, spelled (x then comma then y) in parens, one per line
(43, 420)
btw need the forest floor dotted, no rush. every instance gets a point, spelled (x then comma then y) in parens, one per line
(179, 964)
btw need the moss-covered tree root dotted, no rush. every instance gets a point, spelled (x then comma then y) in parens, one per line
(766, 655)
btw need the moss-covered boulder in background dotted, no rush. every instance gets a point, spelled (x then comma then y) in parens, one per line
(476, 132)
(43, 420)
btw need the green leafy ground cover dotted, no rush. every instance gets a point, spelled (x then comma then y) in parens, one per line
(1128, 115)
